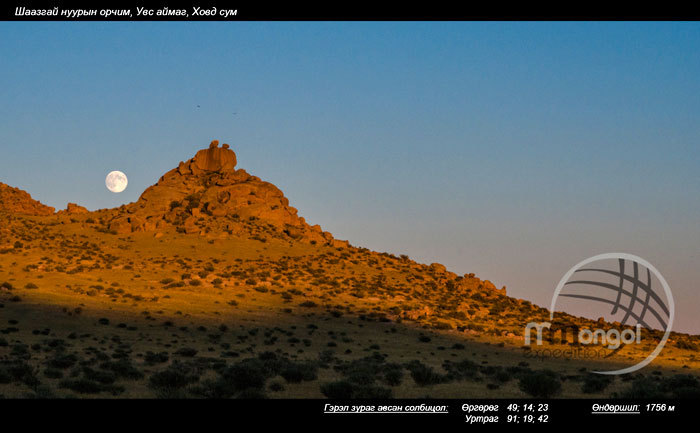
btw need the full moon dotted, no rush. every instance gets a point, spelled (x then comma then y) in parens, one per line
(116, 181)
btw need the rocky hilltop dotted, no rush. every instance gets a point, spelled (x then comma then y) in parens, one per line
(207, 195)
(14, 200)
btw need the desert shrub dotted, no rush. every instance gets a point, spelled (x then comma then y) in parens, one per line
(41, 392)
(324, 357)
(276, 386)
(393, 374)
(503, 376)
(424, 375)
(63, 361)
(594, 383)
(249, 373)
(22, 372)
(490, 370)
(171, 379)
(441, 325)
(298, 372)
(465, 369)
(103, 377)
(362, 372)
(192, 202)
(152, 358)
(540, 384)
(81, 386)
(247, 378)
(677, 386)
(235, 380)
(643, 387)
(308, 304)
(686, 345)
(5, 376)
(53, 373)
(20, 351)
(123, 369)
(31, 286)
(368, 370)
(186, 352)
(212, 389)
(683, 386)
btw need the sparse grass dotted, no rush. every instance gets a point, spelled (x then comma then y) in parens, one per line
(240, 318)
(540, 384)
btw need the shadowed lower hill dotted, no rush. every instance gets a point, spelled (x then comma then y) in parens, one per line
(211, 285)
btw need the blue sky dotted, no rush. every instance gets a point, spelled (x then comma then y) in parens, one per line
(513, 150)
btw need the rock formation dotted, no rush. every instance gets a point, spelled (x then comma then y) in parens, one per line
(209, 196)
(14, 200)
(215, 158)
(74, 209)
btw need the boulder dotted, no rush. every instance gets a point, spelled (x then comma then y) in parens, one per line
(191, 226)
(488, 285)
(438, 268)
(73, 208)
(120, 226)
(215, 158)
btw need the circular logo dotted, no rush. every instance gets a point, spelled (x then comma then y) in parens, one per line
(630, 291)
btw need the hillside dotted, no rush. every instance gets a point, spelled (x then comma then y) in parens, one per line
(14, 200)
(212, 285)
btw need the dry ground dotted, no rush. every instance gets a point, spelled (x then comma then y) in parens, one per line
(86, 313)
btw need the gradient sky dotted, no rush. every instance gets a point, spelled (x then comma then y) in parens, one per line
(512, 150)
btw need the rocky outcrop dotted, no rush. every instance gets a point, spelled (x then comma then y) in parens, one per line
(14, 200)
(74, 209)
(214, 159)
(488, 285)
(209, 196)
